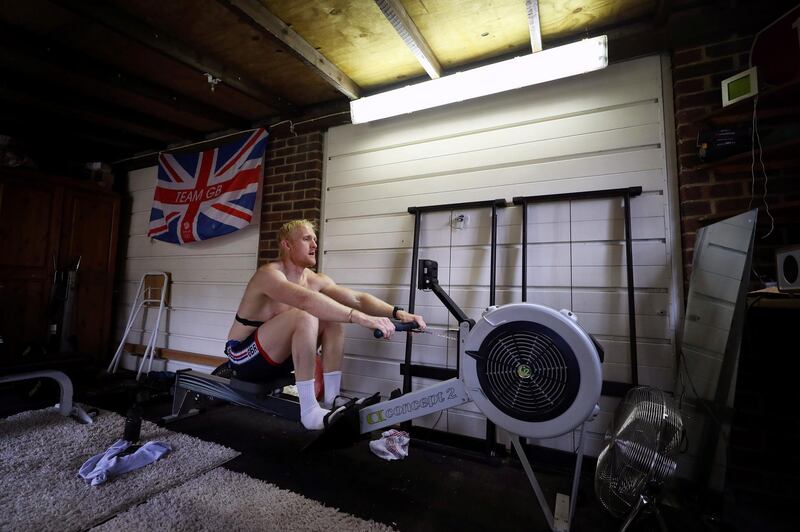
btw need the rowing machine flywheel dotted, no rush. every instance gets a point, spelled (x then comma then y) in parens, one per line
(532, 370)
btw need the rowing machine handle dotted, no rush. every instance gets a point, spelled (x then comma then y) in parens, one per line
(400, 327)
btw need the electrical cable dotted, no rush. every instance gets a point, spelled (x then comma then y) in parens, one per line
(754, 132)
(755, 139)
(206, 141)
(763, 171)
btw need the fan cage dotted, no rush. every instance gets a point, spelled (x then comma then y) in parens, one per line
(640, 449)
(528, 371)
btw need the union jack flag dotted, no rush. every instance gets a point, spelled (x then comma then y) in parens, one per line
(209, 193)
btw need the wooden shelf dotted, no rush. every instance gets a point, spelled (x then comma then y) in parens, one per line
(776, 102)
(746, 115)
(783, 151)
(778, 108)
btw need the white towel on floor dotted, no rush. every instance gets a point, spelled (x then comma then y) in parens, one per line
(106, 465)
(392, 446)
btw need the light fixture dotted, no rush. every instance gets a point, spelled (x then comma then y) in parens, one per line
(547, 65)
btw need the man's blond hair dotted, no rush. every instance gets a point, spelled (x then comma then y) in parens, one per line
(286, 230)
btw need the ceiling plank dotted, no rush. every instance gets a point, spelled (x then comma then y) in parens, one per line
(396, 14)
(78, 64)
(534, 24)
(58, 149)
(133, 28)
(662, 11)
(257, 15)
(32, 93)
(76, 137)
(22, 128)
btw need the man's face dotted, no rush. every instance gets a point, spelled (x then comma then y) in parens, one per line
(303, 247)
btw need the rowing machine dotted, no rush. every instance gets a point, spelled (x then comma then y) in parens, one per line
(530, 369)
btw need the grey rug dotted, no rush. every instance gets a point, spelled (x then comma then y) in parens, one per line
(41, 452)
(225, 500)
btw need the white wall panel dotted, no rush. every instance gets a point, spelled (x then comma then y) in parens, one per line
(194, 295)
(208, 279)
(432, 162)
(598, 131)
(238, 243)
(454, 192)
(639, 114)
(643, 161)
(214, 324)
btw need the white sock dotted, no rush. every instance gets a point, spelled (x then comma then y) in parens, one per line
(333, 384)
(311, 414)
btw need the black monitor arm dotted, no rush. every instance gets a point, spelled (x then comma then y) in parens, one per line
(429, 280)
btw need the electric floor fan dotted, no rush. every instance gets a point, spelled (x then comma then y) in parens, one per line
(640, 453)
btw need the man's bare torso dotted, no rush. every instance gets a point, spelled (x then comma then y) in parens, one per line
(256, 305)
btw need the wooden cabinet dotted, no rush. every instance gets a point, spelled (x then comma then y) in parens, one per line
(48, 223)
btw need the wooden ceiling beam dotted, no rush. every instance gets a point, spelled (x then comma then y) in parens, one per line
(133, 28)
(46, 52)
(397, 16)
(662, 12)
(534, 24)
(259, 17)
(34, 126)
(69, 105)
(314, 118)
(59, 150)
(22, 129)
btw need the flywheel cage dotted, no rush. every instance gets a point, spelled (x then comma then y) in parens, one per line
(528, 371)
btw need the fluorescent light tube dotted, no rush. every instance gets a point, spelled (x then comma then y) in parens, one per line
(547, 65)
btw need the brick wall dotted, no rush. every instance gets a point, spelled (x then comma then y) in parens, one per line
(762, 475)
(710, 194)
(292, 187)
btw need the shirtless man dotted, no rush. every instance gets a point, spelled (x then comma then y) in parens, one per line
(288, 310)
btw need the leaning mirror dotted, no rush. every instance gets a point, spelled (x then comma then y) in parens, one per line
(711, 338)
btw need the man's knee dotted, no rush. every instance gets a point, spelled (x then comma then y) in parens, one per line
(331, 328)
(305, 322)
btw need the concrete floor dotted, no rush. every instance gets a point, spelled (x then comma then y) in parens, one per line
(447, 485)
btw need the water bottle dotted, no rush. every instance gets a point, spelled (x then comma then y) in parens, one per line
(133, 423)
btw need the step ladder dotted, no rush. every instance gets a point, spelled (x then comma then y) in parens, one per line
(152, 291)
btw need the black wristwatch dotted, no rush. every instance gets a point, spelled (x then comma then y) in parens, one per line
(395, 310)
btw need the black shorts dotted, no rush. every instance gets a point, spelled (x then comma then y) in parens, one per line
(250, 362)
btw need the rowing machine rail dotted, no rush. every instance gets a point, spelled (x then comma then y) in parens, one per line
(440, 396)
(258, 396)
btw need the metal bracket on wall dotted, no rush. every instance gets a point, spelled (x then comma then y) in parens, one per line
(626, 194)
(407, 368)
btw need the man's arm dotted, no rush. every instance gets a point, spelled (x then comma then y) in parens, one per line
(275, 285)
(365, 302)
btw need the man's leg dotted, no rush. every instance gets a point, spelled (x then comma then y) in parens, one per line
(295, 333)
(332, 340)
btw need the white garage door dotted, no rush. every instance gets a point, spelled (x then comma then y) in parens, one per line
(598, 131)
